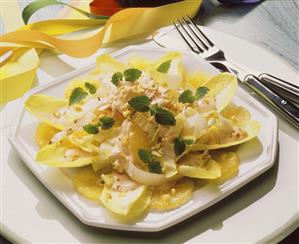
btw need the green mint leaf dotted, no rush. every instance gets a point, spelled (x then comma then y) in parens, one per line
(106, 123)
(145, 155)
(155, 167)
(91, 129)
(164, 67)
(140, 103)
(116, 78)
(78, 94)
(201, 92)
(188, 142)
(153, 164)
(153, 109)
(90, 87)
(132, 74)
(164, 117)
(179, 146)
(186, 97)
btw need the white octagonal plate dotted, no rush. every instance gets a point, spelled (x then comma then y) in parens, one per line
(256, 156)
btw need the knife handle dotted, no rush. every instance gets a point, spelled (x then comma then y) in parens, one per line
(289, 90)
(286, 108)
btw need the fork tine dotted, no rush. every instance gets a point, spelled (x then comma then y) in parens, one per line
(200, 50)
(202, 34)
(194, 33)
(185, 39)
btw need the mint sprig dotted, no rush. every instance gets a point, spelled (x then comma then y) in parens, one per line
(145, 155)
(105, 123)
(187, 96)
(77, 95)
(201, 92)
(140, 103)
(155, 167)
(164, 117)
(132, 74)
(153, 164)
(188, 142)
(91, 129)
(90, 87)
(116, 78)
(179, 145)
(164, 67)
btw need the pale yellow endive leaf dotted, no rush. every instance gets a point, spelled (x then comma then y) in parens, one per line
(44, 106)
(252, 129)
(80, 82)
(191, 165)
(129, 204)
(61, 154)
(108, 65)
(223, 87)
(44, 134)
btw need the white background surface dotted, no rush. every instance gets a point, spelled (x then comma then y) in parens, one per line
(266, 208)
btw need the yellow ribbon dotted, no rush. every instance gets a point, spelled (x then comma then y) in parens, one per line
(125, 24)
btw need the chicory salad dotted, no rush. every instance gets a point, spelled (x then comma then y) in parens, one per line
(143, 134)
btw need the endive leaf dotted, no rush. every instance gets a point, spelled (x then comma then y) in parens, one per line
(127, 205)
(139, 63)
(44, 134)
(192, 166)
(174, 77)
(108, 65)
(252, 128)
(223, 87)
(43, 107)
(61, 154)
(138, 139)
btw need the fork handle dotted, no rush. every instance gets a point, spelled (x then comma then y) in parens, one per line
(286, 108)
(288, 90)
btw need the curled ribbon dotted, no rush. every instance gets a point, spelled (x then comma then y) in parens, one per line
(125, 24)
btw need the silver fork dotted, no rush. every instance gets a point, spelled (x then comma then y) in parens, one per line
(202, 45)
(216, 57)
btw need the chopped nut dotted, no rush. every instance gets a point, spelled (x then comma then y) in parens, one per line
(157, 153)
(71, 154)
(165, 197)
(126, 112)
(69, 131)
(78, 108)
(211, 122)
(57, 114)
(118, 167)
(125, 140)
(238, 134)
